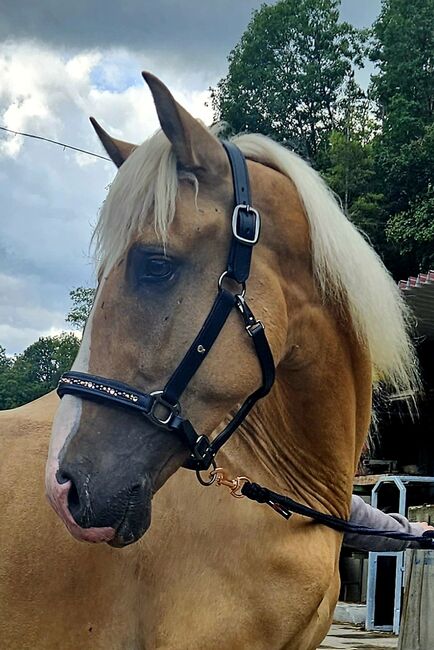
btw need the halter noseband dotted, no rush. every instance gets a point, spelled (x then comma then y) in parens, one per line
(162, 407)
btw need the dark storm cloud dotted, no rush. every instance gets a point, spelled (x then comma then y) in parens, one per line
(198, 31)
(194, 32)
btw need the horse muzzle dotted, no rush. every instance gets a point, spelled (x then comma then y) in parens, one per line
(91, 515)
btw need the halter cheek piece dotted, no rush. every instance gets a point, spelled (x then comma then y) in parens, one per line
(162, 407)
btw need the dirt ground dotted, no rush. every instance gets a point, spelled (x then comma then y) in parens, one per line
(350, 637)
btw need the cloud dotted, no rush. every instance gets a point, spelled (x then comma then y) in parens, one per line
(192, 32)
(60, 63)
(50, 197)
(23, 319)
(197, 34)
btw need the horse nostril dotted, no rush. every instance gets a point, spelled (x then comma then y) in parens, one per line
(62, 477)
(73, 496)
(73, 500)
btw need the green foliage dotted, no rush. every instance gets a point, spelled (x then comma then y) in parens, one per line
(413, 232)
(408, 172)
(5, 365)
(287, 74)
(291, 76)
(5, 362)
(403, 48)
(367, 212)
(82, 300)
(37, 370)
(350, 167)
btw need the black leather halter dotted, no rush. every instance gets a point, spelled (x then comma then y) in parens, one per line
(162, 407)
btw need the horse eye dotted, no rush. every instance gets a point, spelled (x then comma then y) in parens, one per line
(157, 269)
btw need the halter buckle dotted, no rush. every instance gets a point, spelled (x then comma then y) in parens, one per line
(254, 327)
(203, 452)
(246, 208)
(172, 410)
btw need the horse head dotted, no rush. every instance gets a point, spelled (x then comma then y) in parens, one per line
(144, 385)
(163, 240)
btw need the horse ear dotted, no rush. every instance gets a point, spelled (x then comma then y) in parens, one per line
(196, 149)
(118, 150)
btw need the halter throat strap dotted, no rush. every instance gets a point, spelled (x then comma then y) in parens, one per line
(162, 407)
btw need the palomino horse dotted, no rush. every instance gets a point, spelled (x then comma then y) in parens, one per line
(211, 571)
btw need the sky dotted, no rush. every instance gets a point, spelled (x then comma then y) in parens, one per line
(61, 62)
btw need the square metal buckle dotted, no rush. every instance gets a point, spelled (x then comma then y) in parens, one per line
(244, 240)
(167, 410)
(255, 327)
(202, 450)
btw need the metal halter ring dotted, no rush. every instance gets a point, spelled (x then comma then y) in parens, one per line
(212, 475)
(242, 284)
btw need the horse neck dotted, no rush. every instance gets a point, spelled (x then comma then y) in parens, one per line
(305, 438)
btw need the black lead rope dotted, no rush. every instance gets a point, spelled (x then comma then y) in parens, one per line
(286, 506)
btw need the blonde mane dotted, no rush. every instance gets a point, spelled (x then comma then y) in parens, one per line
(347, 269)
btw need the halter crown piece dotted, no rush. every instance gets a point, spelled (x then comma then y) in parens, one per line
(162, 407)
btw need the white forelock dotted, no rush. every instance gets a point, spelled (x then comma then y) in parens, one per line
(146, 183)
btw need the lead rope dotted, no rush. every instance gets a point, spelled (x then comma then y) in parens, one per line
(241, 486)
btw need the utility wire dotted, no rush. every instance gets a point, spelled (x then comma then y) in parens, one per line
(61, 144)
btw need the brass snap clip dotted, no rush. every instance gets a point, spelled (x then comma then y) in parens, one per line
(234, 484)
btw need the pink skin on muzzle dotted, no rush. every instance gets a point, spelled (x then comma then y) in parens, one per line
(57, 494)
(65, 425)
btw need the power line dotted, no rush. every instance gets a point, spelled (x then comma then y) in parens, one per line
(61, 144)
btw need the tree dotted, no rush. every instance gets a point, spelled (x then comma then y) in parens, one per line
(5, 365)
(413, 232)
(349, 170)
(403, 48)
(44, 361)
(288, 72)
(5, 362)
(37, 370)
(82, 300)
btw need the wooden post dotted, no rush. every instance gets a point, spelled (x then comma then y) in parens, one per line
(417, 621)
